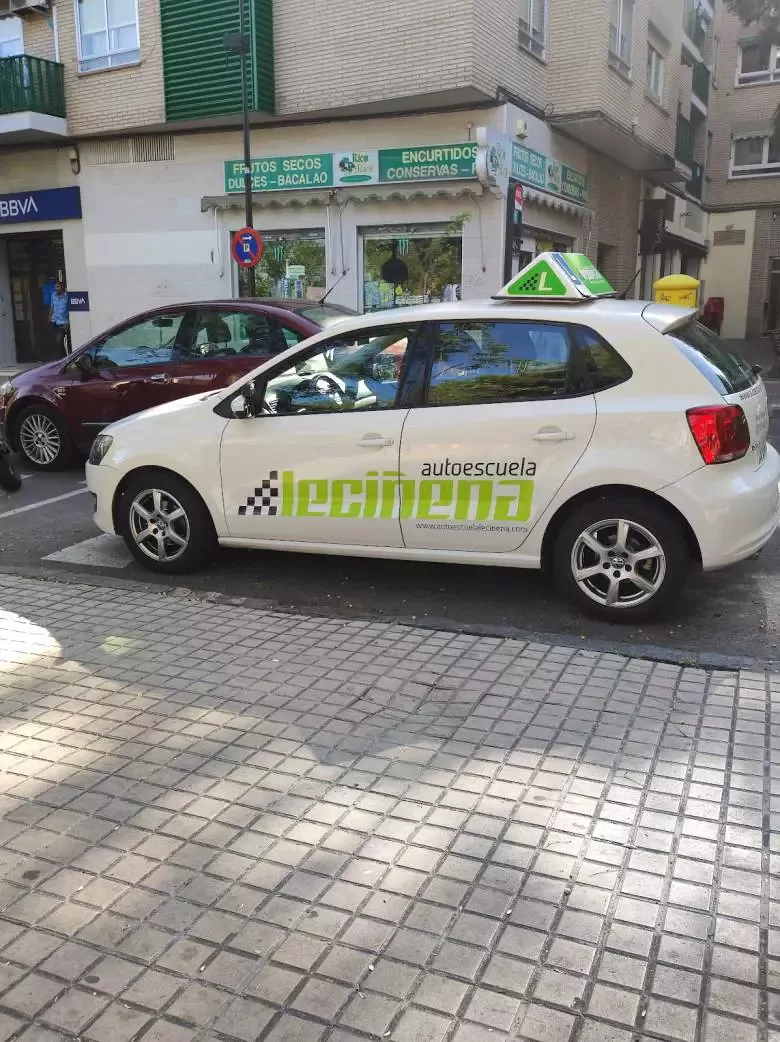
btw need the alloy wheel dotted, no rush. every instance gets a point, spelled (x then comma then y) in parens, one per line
(618, 563)
(39, 438)
(159, 525)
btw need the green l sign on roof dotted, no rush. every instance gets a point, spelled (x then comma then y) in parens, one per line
(539, 279)
(586, 271)
(557, 276)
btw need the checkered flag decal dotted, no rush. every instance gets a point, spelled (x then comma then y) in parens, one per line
(265, 501)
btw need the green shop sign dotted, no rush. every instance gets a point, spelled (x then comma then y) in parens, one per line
(539, 171)
(344, 169)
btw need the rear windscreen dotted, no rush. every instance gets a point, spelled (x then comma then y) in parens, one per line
(725, 370)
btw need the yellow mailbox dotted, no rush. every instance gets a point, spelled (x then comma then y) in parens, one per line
(677, 289)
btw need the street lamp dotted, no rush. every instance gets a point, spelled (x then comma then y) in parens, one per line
(240, 43)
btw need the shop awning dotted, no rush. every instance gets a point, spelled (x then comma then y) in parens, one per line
(359, 196)
(555, 202)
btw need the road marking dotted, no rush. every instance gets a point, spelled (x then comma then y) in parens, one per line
(43, 503)
(101, 551)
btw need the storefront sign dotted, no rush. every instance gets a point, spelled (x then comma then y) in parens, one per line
(494, 158)
(539, 171)
(78, 300)
(337, 169)
(48, 204)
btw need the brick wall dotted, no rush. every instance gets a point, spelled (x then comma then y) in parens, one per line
(499, 60)
(614, 199)
(766, 245)
(733, 106)
(333, 53)
(38, 33)
(114, 99)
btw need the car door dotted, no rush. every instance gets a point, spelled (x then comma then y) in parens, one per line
(320, 465)
(504, 424)
(128, 370)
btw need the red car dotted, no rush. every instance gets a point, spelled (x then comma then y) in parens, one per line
(54, 411)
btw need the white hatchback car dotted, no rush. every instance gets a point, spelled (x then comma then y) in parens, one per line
(617, 443)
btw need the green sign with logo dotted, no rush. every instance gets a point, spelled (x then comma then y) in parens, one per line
(539, 171)
(586, 271)
(352, 168)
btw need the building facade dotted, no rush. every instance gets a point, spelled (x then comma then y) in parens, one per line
(121, 157)
(744, 193)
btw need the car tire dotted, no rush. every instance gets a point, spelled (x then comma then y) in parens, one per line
(42, 438)
(615, 586)
(178, 536)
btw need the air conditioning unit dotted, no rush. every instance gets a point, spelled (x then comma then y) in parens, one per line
(22, 7)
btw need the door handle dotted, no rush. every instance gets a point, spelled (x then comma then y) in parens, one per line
(375, 441)
(552, 434)
(160, 378)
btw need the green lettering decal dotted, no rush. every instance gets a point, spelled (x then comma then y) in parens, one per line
(311, 494)
(516, 507)
(428, 502)
(372, 494)
(398, 495)
(288, 494)
(475, 500)
(340, 489)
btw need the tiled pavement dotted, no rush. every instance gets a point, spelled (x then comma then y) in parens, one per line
(220, 823)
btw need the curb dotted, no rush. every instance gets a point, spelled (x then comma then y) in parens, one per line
(682, 657)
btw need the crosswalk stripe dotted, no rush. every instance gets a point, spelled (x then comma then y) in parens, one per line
(102, 551)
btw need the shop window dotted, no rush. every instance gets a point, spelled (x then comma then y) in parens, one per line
(429, 261)
(293, 266)
(107, 34)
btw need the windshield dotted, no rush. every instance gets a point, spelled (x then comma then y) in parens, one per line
(326, 314)
(725, 370)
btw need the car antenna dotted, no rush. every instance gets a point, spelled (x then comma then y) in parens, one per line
(325, 296)
(629, 287)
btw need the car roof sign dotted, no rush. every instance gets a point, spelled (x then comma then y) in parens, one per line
(558, 277)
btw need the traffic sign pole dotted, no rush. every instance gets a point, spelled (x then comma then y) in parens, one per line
(250, 275)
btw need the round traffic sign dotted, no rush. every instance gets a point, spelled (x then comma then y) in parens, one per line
(247, 247)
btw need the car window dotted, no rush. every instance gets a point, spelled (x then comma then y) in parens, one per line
(223, 334)
(151, 342)
(359, 371)
(292, 336)
(603, 366)
(725, 370)
(476, 362)
(326, 314)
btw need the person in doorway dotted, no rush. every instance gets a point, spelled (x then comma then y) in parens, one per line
(59, 317)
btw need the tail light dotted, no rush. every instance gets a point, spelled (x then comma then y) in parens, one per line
(720, 431)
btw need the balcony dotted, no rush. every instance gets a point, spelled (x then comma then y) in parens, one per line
(32, 99)
(700, 97)
(684, 147)
(695, 185)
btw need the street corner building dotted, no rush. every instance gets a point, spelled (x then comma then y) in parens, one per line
(386, 174)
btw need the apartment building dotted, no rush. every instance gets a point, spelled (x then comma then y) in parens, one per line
(744, 192)
(121, 156)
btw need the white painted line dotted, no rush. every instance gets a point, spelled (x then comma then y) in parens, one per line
(43, 503)
(102, 551)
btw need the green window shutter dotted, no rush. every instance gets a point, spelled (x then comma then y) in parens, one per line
(201, 79)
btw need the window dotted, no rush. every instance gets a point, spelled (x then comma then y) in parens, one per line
(726, 371)
(655, 74)
(621, 33)
(108, 34)
(293, 265)
(755, 156)
(533, 26)
(602, 365)
(480, 362)
(152, 342)
(11, 37)
(223, 334)
(362, 371)
(432, 258)
(759, 62)
(326, 314)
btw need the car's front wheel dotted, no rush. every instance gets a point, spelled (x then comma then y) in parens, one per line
(621, 559)
(43, 439)
(165, 524)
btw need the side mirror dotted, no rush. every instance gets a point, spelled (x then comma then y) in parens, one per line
(239, 406)
(757, 370)
(85, 365)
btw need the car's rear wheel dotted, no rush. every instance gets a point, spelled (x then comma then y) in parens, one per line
(43, 439)
(165, 523)
(621, 559)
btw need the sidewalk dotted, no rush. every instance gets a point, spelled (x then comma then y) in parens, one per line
(222, 823)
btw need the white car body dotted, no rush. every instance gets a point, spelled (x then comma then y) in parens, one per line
(634, 436)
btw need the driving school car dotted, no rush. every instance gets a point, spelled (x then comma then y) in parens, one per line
(618, 444)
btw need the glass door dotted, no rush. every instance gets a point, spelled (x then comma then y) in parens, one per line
(293, 266)
(420, 264)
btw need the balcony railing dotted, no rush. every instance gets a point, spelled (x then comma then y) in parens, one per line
(696, 184)
(685, 140)
(701, 82)
(693, 26)
(29, 84)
